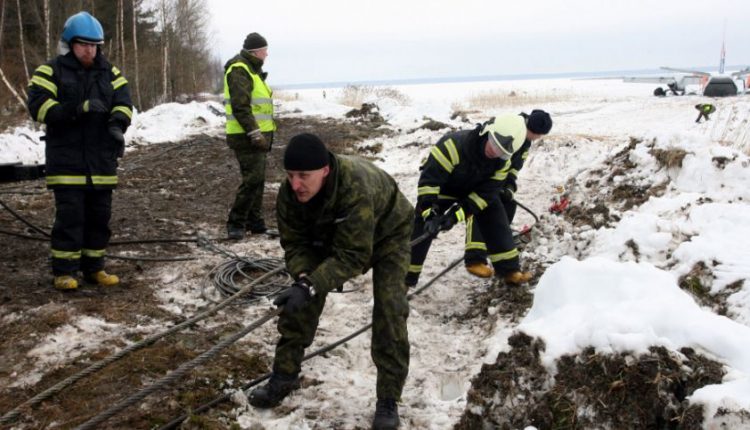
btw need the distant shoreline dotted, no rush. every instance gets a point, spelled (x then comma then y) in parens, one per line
(514, 77)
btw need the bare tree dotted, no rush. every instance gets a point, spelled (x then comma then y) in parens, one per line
(2, 21)
(23, 47)
(135, 56)
(47, 51)
(13, 90)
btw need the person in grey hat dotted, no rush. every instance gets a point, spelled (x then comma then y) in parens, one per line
(250, 125)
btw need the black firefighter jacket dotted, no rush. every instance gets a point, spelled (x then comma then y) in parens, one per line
(79, 149)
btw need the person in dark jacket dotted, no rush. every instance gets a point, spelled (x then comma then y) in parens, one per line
(463, 177)
(85, 104)
(704, 110)
(250, 126)
(338, 217)
(538, 124)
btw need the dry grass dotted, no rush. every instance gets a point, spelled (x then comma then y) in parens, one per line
(355, 95)
(509, 99)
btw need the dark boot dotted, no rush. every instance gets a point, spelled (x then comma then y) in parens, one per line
(235, 232)
(271, 394)
(386, 415)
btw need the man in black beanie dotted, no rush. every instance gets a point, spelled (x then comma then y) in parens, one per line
(538, 124)
(250, 126)
(339, 216)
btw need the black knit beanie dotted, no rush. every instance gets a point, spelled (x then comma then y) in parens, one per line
(539, 122)
(254, 41)
(305, 152)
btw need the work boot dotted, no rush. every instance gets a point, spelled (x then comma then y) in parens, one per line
(66, 282)
(411, 279)
(480, 269)
(386, 415)
(102, 278)
(271, 394)
(257, 228)
(235, 233)
(517, 277)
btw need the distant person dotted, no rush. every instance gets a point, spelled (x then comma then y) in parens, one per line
(538, 124)
(84, 101)
(324, 93)
(338, 217)
(704, 110)
(250, 126)
(464, 177)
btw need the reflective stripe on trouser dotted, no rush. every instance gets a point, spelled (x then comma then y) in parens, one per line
(390, 340)
(247, 210)
(491, 226)
(476, 250)
(81, 230)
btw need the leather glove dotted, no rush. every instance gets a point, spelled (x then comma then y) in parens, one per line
(296, 297)
(92, 106)
(258, 140)
(116, 133)
(431, 217)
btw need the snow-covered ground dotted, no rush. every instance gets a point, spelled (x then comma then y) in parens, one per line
(601, 294)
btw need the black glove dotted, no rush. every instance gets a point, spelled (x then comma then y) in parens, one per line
(454, 215)
(296, 296)
(506, 194)
(92, 106)
(431, 217)
(116, 133)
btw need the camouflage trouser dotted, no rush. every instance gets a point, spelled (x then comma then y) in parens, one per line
(390, 340)
(247, 210)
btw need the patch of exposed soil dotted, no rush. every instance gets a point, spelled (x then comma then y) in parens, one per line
(698, 283)
(589, 391)
(169, 190)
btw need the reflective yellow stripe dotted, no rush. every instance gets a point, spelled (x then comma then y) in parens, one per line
(426, 213)
(124, 109)
(115, 71)
(476, 245)
(44, 83)
(427, 190)
(47, 70)
(104, 180)
(45, 107)
(119, 82)
(504, 256)
(452, 152)
(66, 180)
(96, 253)
(513, 172)
(460, 215)
(480, 202)
(415, 268)
(65, 255)
(525, 155)
(499, 175)
(446, 197)
(440, 158)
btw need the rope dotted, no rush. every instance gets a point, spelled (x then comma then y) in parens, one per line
(20, 218)
(224, 397)
(8, 417)
(179, 373)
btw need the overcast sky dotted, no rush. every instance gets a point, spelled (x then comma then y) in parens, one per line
(348, 40)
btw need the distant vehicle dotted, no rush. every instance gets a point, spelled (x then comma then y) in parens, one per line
(711, 84)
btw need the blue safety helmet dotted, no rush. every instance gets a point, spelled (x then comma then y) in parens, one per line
(84, 27)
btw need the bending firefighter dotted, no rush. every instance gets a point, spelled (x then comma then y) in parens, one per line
(338, 217)
(464, 177)
(538, 124)
(85, 104)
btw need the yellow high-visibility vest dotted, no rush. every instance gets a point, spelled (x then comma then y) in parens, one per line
(261, 103)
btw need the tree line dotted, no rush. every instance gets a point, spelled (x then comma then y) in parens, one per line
(163, 47)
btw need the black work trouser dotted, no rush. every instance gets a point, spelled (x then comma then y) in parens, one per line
(492, 223)
(476, 248)
(81, 231)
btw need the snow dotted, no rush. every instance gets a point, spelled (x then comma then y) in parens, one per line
(595, 292)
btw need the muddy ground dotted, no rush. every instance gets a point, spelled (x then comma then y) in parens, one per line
(174, 190)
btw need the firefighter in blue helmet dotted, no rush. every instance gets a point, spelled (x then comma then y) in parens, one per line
(85, 104)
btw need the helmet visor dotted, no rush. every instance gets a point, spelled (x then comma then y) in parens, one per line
(503, 145)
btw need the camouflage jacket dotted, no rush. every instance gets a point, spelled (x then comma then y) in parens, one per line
(240, 89)
(334, 236)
